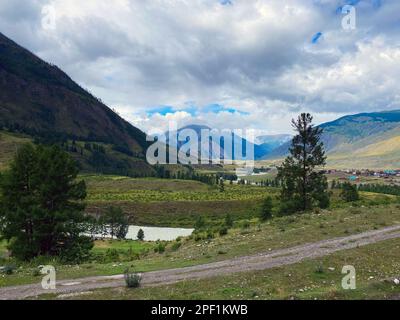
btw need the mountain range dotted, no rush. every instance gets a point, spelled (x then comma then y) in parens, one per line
(262, 145)
(364, 140)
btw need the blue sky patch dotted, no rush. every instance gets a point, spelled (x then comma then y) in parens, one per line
(316, 37)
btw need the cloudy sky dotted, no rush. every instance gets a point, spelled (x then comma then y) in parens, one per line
(226, 63)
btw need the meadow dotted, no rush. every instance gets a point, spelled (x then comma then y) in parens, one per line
(376, 268)
(168, 205)
(247, 236)
(172, 203)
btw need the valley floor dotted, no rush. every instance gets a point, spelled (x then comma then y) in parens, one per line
(254, 263)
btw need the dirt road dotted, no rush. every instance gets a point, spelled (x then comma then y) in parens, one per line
(260, 261)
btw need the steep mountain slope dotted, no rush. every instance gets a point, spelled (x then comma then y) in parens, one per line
(39, 100)
(365, 140)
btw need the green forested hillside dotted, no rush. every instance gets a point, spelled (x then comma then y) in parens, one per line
(38, 101)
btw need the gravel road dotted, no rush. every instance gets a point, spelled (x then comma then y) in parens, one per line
(255, 262)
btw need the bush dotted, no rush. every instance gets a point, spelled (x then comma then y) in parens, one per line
(176, 246)
(8, 270)
(77, 250)
(229, 221)
(266, 209)
(245, 224)
(319, 269)
(223, 231)
(132, 279)
(198, 237)
(36, 272)
(160, 248)
(200, 223)
(349, 192)
(112, 255)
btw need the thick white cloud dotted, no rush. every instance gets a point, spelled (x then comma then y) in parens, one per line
(253, 56)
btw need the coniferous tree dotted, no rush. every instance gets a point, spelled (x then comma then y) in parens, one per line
(303, 186)
(140, 235)
(229, 220)
(116, 222)
(266, 209)
(221, 185)
(349, 192)
(41, 207)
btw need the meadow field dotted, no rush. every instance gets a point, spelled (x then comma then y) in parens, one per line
(172, 203)
(247, 235)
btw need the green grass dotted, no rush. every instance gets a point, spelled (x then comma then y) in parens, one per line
(178, 203)
(172, 203)
(155, 190)
(101, 246)
(376, 266)
(9, 142)
(277, 233)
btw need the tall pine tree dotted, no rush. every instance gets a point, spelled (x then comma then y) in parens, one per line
(303, 185)
(41, 208)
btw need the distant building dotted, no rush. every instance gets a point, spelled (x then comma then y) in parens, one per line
(243, 172)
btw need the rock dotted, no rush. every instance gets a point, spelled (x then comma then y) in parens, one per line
(396, 281)
(331, 269)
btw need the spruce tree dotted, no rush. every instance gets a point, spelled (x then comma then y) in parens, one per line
(41, 206)
(303, 185)
(266, 209)
(349, 192)
(140, 235)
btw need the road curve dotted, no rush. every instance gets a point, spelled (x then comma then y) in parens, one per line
(255, 262)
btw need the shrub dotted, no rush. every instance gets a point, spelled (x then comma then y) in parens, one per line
(36, 272)
(266, 209)
(223, 231)
(349, 192)
(132, 279)
(176, 246)
(229, 221)
(77, 250)
(319, 269)
(200, 223)
(112, 255)
(8, 269)
(160, 248)
(245, 224)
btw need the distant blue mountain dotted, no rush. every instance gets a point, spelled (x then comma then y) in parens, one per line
(264, 145)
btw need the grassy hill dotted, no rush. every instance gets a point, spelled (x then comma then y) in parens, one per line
(9, 143)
